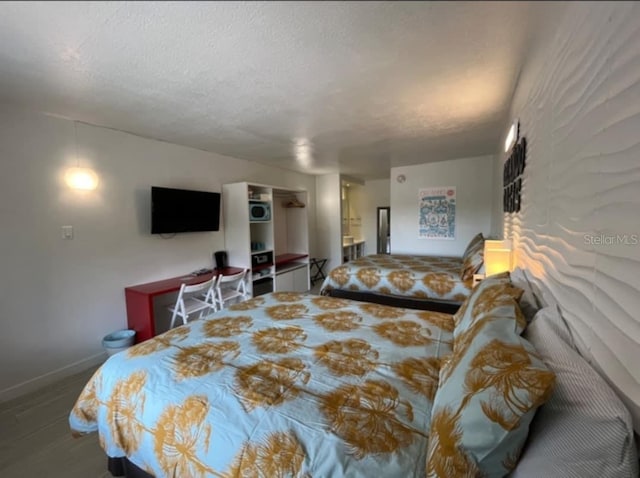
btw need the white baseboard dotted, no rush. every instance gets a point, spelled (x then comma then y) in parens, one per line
(50, 377)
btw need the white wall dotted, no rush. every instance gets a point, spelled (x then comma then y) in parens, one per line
(364, 199)
(376, 194)
(497, 220)
(328, 220)
(58, 298)
(578, 101)
(473, 179)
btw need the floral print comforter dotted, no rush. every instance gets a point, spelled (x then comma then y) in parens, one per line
(286, 384)
(420, 277)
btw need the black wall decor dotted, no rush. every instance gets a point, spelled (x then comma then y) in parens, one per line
(512, 176)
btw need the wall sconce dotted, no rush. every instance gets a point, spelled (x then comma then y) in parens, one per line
(81, 178)
(497, 257)
(512, 136)
(76, 177)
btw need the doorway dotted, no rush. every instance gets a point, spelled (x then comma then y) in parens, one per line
(383, 233)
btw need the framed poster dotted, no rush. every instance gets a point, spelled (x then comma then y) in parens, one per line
(437, 213)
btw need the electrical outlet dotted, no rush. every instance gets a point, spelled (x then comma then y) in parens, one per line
(67, 232)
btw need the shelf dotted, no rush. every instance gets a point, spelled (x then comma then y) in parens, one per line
(290, 266)
(258, 277)
(352, 251)
(244, 205)
(354, 243)
(290, 262)
(261, 251)
(282, 259)
(262, 278)
(261, 267)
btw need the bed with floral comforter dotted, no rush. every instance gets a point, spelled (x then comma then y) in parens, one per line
(285, 384)
(417, 277)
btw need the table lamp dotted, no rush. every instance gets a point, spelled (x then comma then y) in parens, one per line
(497, 257)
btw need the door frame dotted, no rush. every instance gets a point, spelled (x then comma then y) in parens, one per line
(378, 245)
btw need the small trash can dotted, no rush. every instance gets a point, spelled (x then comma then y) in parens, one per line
(118, 341)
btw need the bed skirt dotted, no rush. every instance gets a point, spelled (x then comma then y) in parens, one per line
(121, 466)
(435, 305)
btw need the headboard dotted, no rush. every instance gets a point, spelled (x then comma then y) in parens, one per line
(578, 232)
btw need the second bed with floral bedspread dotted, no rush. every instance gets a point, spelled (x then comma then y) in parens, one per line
(419, 277)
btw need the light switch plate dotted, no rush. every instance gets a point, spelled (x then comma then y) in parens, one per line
(67, 232)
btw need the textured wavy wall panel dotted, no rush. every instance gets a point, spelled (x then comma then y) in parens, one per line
(581, 118)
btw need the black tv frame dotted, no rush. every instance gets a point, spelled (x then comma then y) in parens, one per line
(184, 210)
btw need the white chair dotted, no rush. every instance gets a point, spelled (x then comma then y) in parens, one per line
(231, 287)
(191, 300)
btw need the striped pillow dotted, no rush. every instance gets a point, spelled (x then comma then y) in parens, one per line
(584, 429)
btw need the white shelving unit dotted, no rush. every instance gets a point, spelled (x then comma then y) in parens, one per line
(276, 251)
(352, 251)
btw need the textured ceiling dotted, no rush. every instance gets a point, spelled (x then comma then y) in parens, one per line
(354, 87)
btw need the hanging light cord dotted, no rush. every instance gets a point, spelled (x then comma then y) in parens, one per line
(75, 137)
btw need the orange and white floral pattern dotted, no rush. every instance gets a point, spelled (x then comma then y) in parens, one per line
(489, 388)
(275, 387)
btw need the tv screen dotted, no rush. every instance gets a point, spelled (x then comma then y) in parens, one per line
(182, 210)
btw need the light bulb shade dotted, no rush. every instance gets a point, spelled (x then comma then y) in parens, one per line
(81, 178)
(497, 244)
(497, 261)
(511, 137)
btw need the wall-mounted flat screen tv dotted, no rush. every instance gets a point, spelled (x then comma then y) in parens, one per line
(183, 210)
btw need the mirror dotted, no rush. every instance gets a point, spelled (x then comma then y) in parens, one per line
(345, 207)
(384, 231)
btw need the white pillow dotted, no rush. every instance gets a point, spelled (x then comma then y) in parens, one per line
(584, 430)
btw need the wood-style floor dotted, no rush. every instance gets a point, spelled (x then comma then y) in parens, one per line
(35, 441)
